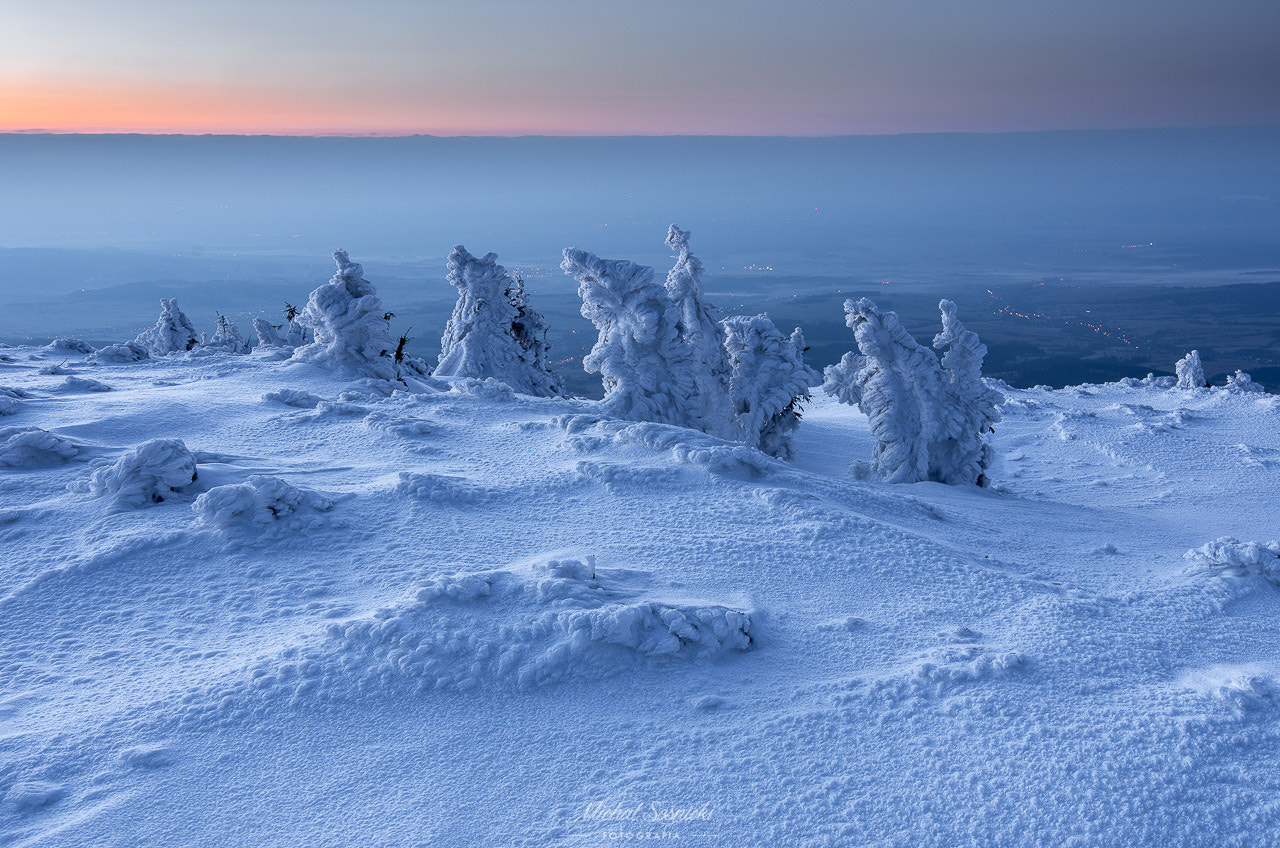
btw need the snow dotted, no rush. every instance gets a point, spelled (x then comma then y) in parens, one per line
(172, 333)
(1190, 371)
(249, 602)
(770, 381)
(348, 325)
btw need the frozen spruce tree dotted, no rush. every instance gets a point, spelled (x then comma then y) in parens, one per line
(266, 333)
(770, 381)
(1243, 382)
(226, 336)
(482, 337)
(700, 331)
(530, 331)
(839, 380)
(969, 409)
(349, 326)
(647, 371)
(296, 335)
(1190, 372)
(173, 332)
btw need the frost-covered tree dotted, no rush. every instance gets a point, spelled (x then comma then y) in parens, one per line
(348, 324)
(1242, 382)
(769, 381)
(226, 336)
(296, 335)
(172, 333)
(840, 380)
(530, 331)
(480, 339)
(266, 333)
(647, 371)
(969, 410)
(1190, 372)
(699, 330)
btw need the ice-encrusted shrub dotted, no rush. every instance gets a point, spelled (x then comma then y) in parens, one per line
(770, 381)
(149, 473)
(121, 353)
(1242, 382)
(1190, 371)
(647, 371)
(930, 420)
(226, 336)
(266, 333)
(70, 345)
(31, 447)
(480, 340)
(259, 502)
(699, 330)
(348, 325)
(960, 452)
(172, 333)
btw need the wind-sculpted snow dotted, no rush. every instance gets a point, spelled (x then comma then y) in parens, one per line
(266, 333)
(82, 384)
(348, 324)
(509, 628)
(588, 433)
(154, 471)
(293, 397)
(770, 381)
(67, 345)
(31, 447)
(120, 354)
(1229, 557)
(259, 503)
(483, 337)
(173, 332)
(10, 399)
(1190, 372)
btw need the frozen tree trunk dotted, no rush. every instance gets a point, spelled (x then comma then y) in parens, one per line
(647, 371)
(227, 337)
(267, 335)
(698, 328)
(480, 339)
(769, 381)
(173, 332)
(348, 325)
(961, 452)
(1190, 371)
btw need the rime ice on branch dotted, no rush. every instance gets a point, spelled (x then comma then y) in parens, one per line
(698, 329)
(770, 381)
(647, 371)
(1190, 372)
(349, 326)
(173, 332)
(491, 333)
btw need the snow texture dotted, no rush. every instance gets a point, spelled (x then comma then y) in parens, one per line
(31, 447)
(150, 473)
(348, 325)
(770, 381)
(172, 333)
(480, 340)
(258, 503)
(700, 332)
(1190, 371)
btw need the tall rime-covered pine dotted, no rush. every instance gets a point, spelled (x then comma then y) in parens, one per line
(770, 381)
(700, 331)
(173, 332)
(481, 338)
(348, 324)
(647, 371)
(960, 452)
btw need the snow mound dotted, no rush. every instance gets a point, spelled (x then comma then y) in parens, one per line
(121, 353)
(1242, 687)
(28, 795)
(150, 473)
(259, 503)
(10, 399)
(589, 433)
(31, 447)
(172, 333)
(1229, 557)
(293, 397)
(399, 426)
(441, 489)
(82, 384)
(349, 326)
(518, 627)
(70, 345)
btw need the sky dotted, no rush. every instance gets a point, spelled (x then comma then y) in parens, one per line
(658, 67)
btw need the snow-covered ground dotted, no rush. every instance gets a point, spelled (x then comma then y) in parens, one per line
(468, 617)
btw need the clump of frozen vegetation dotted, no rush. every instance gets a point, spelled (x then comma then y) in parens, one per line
(172, 333)
(492, 334)
(1190, 371)
(647, 371)
(259, 502)
(226, 336)
(1231, 557)
(266, 333)
(700, 331)
(349, 326)
(930, 420)
(70, 345)
(1242, 382)
(770, 381)
(121, 353)
(152, 472)
(31, 447)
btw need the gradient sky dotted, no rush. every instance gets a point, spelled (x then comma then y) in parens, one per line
(510, 67)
